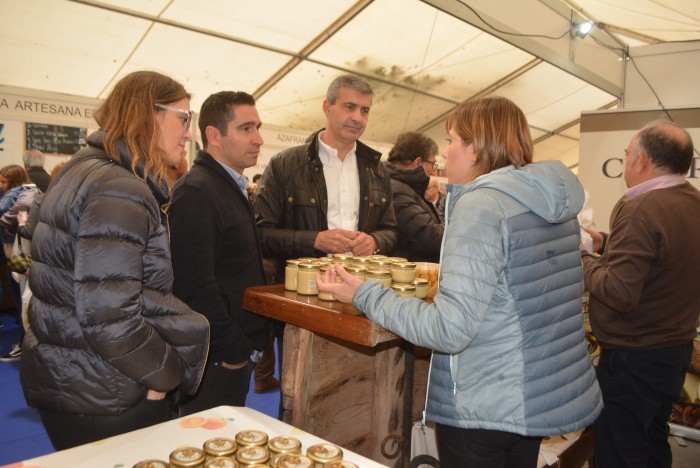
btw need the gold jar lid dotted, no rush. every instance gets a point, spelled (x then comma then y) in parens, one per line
(403, 287)
(420, 282)
(274, 459)
(356, 269)
(187, 457)
(398, 259)
(378, 273)
(324, 259)
(359, 260)
(380, 263)
(220, 447)
(251, 437)
(324, 453)
(344, 257)
(151, 464)
(221, 462)
(293, 262)
(341, 464)
(294, 460)
(404, 265)
(377, 256)
(254, 454)
(282, 444)
(308, 266)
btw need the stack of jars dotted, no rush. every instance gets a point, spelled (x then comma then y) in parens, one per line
(394, 272)
(251, 449)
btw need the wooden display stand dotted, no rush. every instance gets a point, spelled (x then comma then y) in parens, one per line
(344, 377)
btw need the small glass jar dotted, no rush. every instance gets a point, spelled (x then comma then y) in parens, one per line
(403, 272)
(284, 445)
(404, 289)
(306, 278)
(324, 259)
(274, 459)
(152, 464)
(357, 271)
(421, 288)
(290, 274)
(325, 295)
(324, 453)
(360, 261)
(294, 460)
(251, 438)
(381, 275)
(220, 447)
(221, 462)
(252, 455)
(187, 457)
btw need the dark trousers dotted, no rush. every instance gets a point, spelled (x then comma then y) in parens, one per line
(478, 448)
(220, 386)
(69, 430)
(638, 388)
(265, 368)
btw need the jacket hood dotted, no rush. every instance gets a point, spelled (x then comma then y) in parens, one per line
(414, 178)
(548, 188)
(158, 187)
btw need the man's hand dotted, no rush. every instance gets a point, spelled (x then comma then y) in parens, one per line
(335, 241)
(154, 395)
(363, 245)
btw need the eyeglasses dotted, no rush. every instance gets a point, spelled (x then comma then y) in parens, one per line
(433, 164)
(185, 114)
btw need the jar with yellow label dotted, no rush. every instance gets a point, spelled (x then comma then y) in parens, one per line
(290, 274)
(357, 271)
(325, 295)
(324, 453)
(252, 455)
(187, 457)
(251, 437)
(421, 288)
(403, 272)
(220, 447)
(221, 462)
(151, 464)
(404, 289)
(381, 275)
(282, 444)
(294, 460)
(306, 279)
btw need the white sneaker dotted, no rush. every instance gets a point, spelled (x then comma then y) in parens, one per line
(13, 355)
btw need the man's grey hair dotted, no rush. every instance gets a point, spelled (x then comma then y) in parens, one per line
(347, 81)
(33, 158)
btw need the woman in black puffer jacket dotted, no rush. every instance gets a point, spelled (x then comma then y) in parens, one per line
(411, 162)
(107, 338)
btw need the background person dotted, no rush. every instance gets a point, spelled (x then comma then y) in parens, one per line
(436, 197)
(510, 364)
(107, 338)
(216, 251)
(643, 298)
(33, 160)
(411, 162)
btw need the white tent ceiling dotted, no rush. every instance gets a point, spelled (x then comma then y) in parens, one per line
(422, 56)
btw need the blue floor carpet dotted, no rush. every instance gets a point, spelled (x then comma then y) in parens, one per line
(22, 435)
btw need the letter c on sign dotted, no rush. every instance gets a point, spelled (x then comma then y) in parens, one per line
(607, 168)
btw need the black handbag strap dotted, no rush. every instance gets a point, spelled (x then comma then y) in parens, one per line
(424, 459)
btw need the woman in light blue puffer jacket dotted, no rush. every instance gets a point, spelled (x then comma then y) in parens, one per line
(510, 364)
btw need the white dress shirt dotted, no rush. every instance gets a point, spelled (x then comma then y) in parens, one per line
(343, 186)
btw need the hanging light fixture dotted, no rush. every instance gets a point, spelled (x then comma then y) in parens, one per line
(581, 29)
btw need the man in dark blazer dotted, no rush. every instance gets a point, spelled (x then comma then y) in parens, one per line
(215, 247)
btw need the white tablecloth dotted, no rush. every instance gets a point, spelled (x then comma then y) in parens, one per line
(156, 442)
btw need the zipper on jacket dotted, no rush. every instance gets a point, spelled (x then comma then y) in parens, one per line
(369, 199)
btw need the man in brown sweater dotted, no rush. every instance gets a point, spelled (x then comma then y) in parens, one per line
(644, 300)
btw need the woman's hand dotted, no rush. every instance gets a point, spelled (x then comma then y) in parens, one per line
(342, 291)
